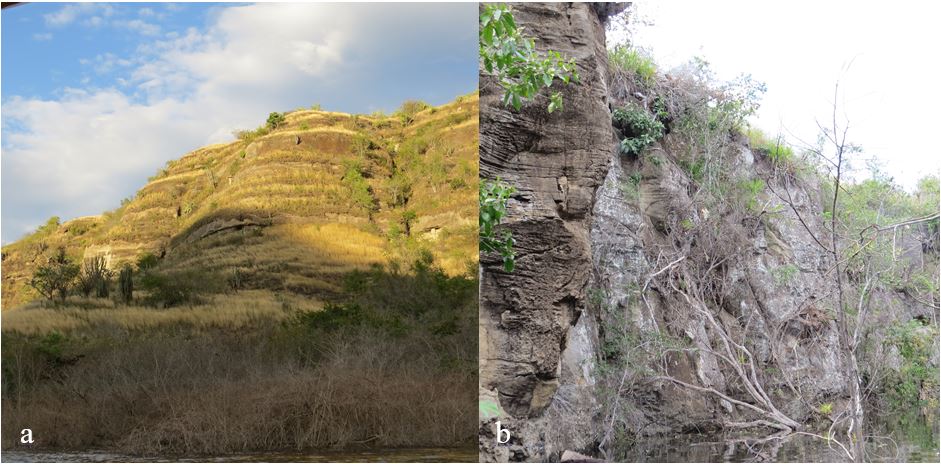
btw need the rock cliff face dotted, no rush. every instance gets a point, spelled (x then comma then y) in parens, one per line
(777, 315)
(556, 162)
(592, 228)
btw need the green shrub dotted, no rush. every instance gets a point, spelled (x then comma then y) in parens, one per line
(250, 135)
(493, 200)
(275, 120)
(695, 169)
(333, 317)
(915, 343)
(634, 62)
(360, 192)
(637, 127)
(178, 288)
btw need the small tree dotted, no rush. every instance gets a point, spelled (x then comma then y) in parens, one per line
(409, 110)
(54, 279)
(126, 283)
(275, 120)
(408, 217)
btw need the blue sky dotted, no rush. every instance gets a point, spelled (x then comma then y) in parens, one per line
(97, 97)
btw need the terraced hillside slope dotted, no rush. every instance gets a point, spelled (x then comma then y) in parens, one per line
(291, 209)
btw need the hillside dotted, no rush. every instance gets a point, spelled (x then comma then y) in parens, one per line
(292, 209)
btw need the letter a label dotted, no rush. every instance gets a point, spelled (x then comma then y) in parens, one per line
(26, 436)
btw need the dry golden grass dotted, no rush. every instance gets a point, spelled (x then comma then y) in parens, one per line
(340, 243)
(172, 393)
(243, 310)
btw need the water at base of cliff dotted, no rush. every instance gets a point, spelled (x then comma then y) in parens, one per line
(906, 441)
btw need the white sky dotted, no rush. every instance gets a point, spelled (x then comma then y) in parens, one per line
(889, 92)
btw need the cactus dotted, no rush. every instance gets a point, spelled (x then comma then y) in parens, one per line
(126, 284)
(103, 289)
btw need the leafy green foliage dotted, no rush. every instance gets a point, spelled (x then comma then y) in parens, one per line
(637, 127)
(634, 62)
(54, 278)
(385, 299)
(512, 58)
(493, 200)
(275, 120)
(360, 191)
(915, 343)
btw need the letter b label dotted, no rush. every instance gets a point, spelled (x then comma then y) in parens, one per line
(500, 433)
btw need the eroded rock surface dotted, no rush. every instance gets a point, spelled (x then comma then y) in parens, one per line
(556, 162)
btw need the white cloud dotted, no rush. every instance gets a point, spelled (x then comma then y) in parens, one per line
(139, 26)
(65, 15)
(71, 12)
(106, 63)
(176, 94)
(46, 36)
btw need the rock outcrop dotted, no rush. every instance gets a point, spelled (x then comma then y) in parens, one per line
(556, 162)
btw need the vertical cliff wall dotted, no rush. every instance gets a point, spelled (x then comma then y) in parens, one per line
(556, 162)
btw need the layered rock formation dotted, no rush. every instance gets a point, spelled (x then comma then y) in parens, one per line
(556, 162)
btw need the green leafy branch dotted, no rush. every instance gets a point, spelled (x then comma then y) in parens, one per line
(493, 199)
(512, 58)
